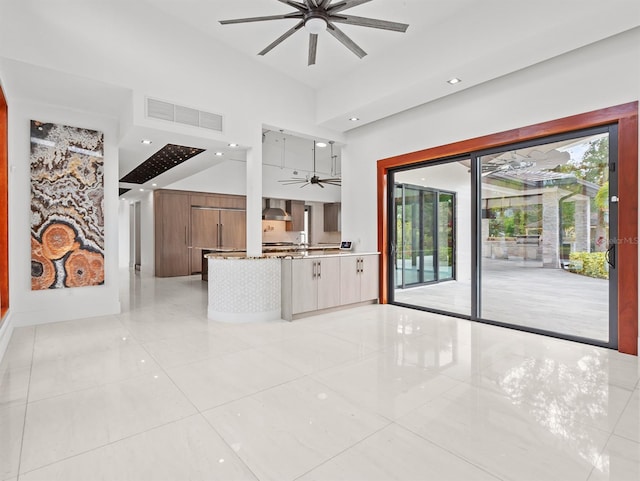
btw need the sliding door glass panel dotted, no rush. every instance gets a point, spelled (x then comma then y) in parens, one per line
(446, 238)
(428, 234)
(411, 255)
(433, 237)
(544, 237)
(396, 253)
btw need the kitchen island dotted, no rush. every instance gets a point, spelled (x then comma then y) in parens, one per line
(288, 284)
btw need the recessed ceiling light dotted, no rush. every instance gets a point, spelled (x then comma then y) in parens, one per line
(354, 119)
(233, 146)
(322, 145)
(154, 185)
(219, 154)
(141, 190)
(146, 141)
(454, 81)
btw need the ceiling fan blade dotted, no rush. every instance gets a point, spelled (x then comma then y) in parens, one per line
(313, 48)
(312, 3)
(340, 6)
(281, 38)
(304, 185)
(300, 6)
(294, 180)
(346, 41)
(370, 22)
(260, 19)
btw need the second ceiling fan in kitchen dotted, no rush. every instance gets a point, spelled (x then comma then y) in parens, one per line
(315, 178)
(316, 16)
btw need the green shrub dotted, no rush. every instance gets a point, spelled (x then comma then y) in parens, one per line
(591, 264)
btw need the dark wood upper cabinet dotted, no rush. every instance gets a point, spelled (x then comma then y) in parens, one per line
(295, 208)
(332, 217)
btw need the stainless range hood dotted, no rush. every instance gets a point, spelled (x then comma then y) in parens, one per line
(274, 213)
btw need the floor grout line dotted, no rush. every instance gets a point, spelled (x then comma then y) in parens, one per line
(26, 407)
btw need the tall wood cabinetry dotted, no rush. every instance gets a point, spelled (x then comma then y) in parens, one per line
(171, 221)
(188, 222)
(214, 228)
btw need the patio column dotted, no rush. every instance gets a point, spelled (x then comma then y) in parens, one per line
(582, 218)
(550, 229)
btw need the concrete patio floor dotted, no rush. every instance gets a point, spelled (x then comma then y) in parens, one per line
(523, 294)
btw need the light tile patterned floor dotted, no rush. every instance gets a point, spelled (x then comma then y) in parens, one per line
(373, 393)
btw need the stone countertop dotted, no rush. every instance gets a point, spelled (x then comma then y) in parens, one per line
(309, 254)
(271, 249)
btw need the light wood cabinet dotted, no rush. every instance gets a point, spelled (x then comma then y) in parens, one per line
(295, 208)
(358, 278)
(171, 223)
(310, 285)
(317, 283)
(332, 217)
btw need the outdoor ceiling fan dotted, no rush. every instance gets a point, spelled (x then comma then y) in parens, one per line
(316, 16)
(314, 179)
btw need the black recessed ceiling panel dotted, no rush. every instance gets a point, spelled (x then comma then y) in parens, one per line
(164, 159)
(122, 191)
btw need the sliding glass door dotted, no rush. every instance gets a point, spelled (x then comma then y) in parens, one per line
(547, 236)
(425, 253)
(425, 235)
(522, 236)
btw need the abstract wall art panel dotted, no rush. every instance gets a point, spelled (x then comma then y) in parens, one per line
(67, 200)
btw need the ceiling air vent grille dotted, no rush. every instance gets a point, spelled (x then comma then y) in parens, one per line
(211, 121)
(185, 115)
(161, 110)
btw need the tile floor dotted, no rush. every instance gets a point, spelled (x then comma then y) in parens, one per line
(372, 393)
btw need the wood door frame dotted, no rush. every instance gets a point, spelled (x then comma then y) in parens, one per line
(4, 206)
(626, 118)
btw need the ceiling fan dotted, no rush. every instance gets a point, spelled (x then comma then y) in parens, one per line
(317, 16)
(314, 179)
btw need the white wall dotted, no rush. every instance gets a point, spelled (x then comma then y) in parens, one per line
(124, 234)
(33, 307)
(208, 75)
(147, 236)
(594, 77)
(597, 76)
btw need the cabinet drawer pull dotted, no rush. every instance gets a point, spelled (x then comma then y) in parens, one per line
(319, 269)
(314, 270)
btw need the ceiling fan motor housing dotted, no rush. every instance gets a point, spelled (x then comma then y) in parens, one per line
(316, 16)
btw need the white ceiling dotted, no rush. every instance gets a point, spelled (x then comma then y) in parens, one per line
(474, 40)
(470, 39)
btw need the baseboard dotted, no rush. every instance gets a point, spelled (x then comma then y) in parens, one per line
(35, 318)
(6, 329)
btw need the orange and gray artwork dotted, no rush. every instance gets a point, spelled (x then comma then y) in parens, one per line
(67, 200)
